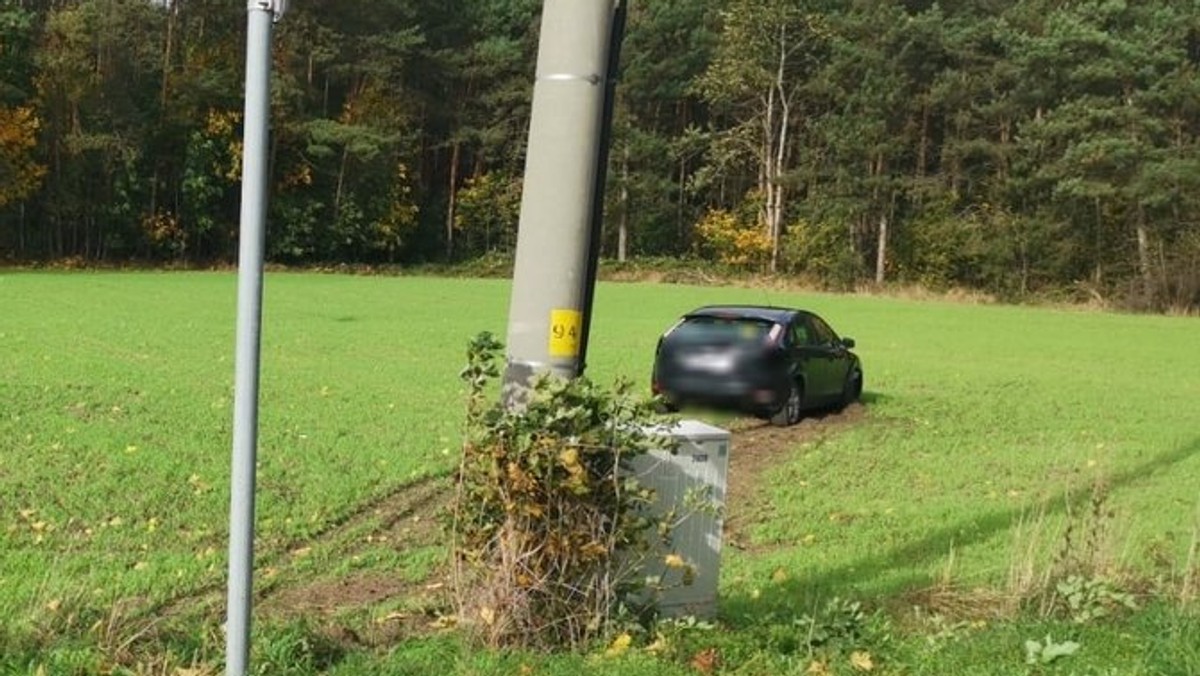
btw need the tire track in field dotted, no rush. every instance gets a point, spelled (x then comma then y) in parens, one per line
(425, 496)
(756, 447)
(404, 517)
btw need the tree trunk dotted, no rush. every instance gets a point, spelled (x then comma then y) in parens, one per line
(923, 146)
(623, 223)
(341, 182)
(21, 231)
(881, 249)
(876, 171)
(166, 62)
(679, 209)
(777, 160)
(452, 200)
(1143, 250)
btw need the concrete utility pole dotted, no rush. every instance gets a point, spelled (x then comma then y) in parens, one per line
(249, 330)
(553, 274)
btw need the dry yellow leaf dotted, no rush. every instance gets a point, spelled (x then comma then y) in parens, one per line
(674, 561)
(861, 660)
(660, 644)
(394, 615)
(817, 668)
(569, 458)
(619, 646)
(488, 615)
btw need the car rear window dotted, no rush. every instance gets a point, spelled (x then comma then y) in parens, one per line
(721, 330)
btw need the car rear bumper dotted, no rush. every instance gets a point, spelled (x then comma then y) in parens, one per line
(722, 392)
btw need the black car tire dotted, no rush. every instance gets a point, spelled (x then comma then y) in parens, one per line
(852, 390)
(792, 410)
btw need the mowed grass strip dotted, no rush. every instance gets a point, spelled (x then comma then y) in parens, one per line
(116, 398)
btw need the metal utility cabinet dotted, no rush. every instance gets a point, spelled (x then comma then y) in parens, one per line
(690, 481)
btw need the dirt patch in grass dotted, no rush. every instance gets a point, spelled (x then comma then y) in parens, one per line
(353, 609)
(373, 606)
(756, 447)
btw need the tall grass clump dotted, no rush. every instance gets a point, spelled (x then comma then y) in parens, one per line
(549, 526)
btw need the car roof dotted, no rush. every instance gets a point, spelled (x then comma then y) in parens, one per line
(770, 313)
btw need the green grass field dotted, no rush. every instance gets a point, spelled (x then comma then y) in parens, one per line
(987, 431)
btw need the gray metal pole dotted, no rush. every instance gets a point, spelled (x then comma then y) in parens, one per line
(249, 329)
(550, 280)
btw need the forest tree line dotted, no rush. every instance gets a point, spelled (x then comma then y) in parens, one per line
(1012, 146)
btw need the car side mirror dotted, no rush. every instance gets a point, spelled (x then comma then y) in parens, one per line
(848, 343)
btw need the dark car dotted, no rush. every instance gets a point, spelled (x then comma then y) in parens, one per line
(771, 362)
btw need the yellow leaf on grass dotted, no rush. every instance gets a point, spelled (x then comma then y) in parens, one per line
(619, 645)
(674, 561)
(660, 645)
(861, 660)
(817, 668)
(394, 615)
(488, 615)
(779, 576)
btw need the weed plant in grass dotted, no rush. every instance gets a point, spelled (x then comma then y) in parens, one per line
(987, 429)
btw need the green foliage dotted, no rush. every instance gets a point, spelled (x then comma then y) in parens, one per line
(550, 527)
(839, 620)
(485, 219)
(292, 649)
(1086, 599)
(1048, 650)
(821, 252)
(1024, 149)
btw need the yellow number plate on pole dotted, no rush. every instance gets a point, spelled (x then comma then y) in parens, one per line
(565, 327)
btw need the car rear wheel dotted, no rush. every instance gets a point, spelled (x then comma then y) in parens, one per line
(791, 411)
(852, 390)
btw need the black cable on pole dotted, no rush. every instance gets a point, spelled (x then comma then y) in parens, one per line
(616, 37)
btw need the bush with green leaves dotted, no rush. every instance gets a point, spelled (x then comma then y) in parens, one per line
(550, 526)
